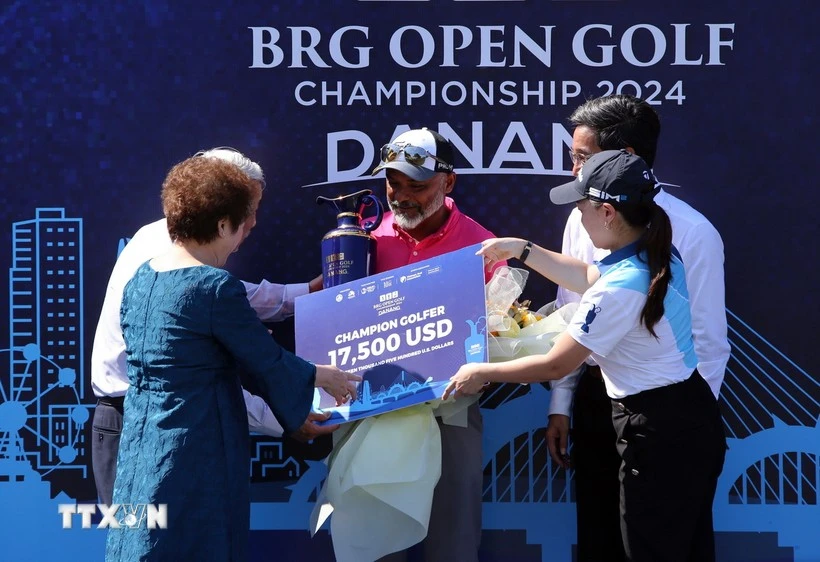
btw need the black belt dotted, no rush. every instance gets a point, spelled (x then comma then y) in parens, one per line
(691, 391)
(595, 371)
(113, 401)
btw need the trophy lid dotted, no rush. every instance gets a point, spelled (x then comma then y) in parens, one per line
(345, 203)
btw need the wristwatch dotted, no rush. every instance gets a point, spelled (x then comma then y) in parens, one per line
(526, 253)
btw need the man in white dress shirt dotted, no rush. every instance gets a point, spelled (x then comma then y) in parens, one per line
(109, 379)
(609, 123)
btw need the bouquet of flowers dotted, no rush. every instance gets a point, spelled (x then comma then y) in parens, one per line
(515, 330)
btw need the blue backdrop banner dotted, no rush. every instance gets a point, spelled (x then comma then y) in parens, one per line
(98, 100)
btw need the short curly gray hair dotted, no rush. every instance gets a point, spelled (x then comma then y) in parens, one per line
(233, 156)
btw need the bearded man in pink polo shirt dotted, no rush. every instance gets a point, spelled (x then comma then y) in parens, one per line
(423, 222)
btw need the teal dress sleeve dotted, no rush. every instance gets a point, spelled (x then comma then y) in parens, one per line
(285, 381)
(185, 438)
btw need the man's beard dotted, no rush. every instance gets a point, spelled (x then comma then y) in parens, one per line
(409, 223)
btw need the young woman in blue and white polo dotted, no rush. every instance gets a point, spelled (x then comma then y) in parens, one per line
(634, 320)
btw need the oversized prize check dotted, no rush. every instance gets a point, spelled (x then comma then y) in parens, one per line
(405, 331)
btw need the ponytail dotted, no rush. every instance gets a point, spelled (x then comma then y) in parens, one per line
(657, 243)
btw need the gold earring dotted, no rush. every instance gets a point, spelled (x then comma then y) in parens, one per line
(606, 225)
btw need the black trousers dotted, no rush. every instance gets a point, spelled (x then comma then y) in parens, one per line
(106, 428)
(596, 462)
(672, 446)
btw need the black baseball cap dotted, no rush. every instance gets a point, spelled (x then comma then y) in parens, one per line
(611, 175)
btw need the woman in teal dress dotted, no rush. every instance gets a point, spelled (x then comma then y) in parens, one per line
(188, 329)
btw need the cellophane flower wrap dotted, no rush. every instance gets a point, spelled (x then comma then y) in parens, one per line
(515, 330)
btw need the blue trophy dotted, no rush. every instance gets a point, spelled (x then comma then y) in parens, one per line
(347, 250)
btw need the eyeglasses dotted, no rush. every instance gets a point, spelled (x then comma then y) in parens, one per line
(414, 155)
(577, 158)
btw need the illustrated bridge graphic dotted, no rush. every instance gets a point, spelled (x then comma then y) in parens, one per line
(769, 481)
(771, 409)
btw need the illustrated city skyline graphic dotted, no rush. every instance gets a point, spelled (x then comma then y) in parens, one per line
(771, 408)
(403, 385)
(406, 389)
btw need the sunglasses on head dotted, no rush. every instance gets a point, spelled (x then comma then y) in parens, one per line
(414, 155)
